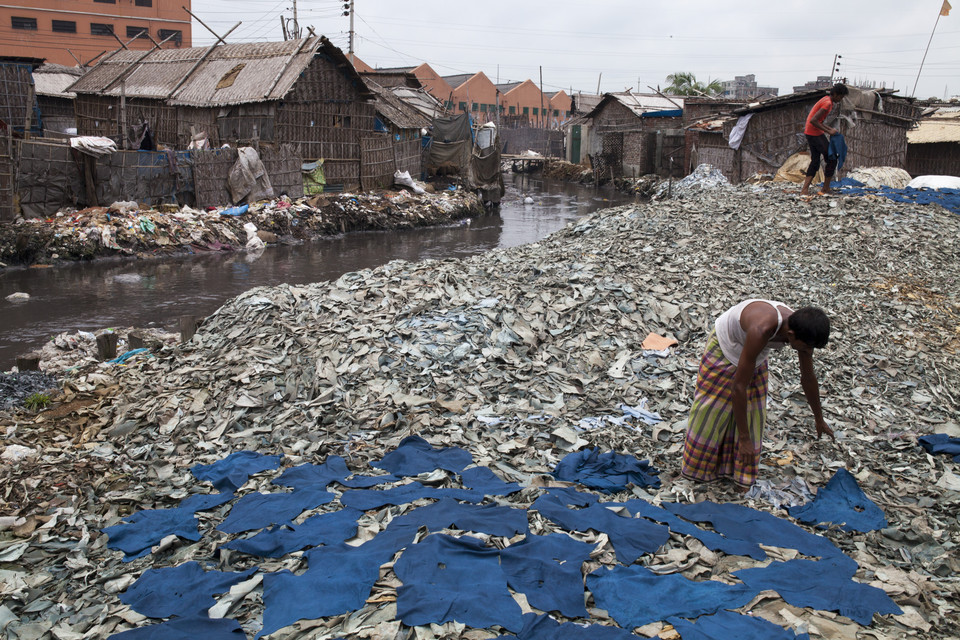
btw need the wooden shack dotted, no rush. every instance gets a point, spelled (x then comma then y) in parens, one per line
(398, 147)
(933, 148)
(56, 103)
(875, 131)
(300, 92)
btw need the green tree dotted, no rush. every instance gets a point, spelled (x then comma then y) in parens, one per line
(684, 83)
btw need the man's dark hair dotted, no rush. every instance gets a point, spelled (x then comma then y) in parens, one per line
(811, 325)
(840, 89)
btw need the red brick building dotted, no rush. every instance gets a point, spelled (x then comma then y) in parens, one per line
(72, 32)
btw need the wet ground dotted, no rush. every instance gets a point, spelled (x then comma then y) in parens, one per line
(155, 293)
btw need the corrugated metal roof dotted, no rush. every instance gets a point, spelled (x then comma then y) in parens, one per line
(641, 103)
(392, 108)
(420, 100)
(263, 71)
(943, 126)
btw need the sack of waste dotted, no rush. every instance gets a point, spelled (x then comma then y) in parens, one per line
(403, 179)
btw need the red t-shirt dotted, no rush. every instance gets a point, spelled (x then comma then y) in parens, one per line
(824, 103)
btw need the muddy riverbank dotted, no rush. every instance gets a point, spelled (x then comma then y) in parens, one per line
(519, 357)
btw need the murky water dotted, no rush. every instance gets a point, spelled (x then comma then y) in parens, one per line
(155, 293)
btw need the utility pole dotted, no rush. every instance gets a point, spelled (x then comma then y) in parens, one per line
(348, 10)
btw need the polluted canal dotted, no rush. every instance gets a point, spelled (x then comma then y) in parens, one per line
(155, 293)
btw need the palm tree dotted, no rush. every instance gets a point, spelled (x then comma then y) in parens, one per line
(684, 83)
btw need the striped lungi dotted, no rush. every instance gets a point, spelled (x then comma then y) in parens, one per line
(711, 448)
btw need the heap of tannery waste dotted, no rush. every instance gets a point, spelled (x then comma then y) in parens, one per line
(127, 229)
(413, 451)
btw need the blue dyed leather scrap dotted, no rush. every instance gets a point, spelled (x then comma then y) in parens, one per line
(941, 443)
(447, 513)
(635, 596)
(338, 580)
(841, 502)
(278, 541)
(743, 523)
(543, 627)
(609, 472)
(365, 499)
(487, 482)
(710, 539)
(259, 510)
(197, 626)
(232, 472)
(179, 591)
(631, 537)
(821, 585)
(725, 625)
(454, 579)
(144, 529)
(414, 456)
(546, 569)
(334, 469)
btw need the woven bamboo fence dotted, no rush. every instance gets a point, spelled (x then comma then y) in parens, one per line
(377, 162)
(409, 156)
(210, 171)
(283, 165)
(7, 165)
(49, 178)
(934, 158)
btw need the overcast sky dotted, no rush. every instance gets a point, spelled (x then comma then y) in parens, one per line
(629, 43)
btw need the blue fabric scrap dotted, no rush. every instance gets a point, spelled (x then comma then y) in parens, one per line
(743, 523)
(543, 627)
(635, 596)
(232, 472)
(838, 149)
(841, 502)
(609, 472)
(179, 591)
(259, 510)
(447, 513)
(941, 443)
(443, 579)
(323, 528)
(821, 585)
(365, 499)
(546, 569)
(724, 625)
(338, 580)
(631, 537)
(144, 529)
(197, 626)
(414, 456)
(334, 469)
(484, 480)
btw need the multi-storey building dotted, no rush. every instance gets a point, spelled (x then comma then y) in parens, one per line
(75, 32)
(746, 88)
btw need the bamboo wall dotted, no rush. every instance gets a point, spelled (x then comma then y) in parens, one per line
(324, 116)
(377, 162)
(409, 155)
(7, 164)
(547, 142)
(934, 159)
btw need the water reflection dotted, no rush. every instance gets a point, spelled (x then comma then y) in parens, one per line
(155, 293)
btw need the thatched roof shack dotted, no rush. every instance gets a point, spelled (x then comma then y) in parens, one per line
(637, 134)
(304, 92)
(18, 101)
(933, 148)
(56, 102)
(876, 133)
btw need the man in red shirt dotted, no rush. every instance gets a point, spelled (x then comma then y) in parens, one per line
(816, 131)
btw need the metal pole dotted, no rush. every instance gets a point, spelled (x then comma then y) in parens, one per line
(353, 10)
(296, 25)
(914, 92)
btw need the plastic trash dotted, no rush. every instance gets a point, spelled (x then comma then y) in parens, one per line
(235, 211)
(254, 243)
(403, 178)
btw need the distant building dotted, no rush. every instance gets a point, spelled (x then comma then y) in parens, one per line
(746, 88)
(79, 31)
(475, 94)
(822, 82)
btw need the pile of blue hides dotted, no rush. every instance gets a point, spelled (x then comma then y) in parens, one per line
(941, 443)
(608, 472)
(724, 625)
(947, 198)
(841, 502)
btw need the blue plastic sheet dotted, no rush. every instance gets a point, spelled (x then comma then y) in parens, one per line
(631, 537)
(259, 510)
(443, 579)
(447, 513)
(365, 499)
(179, 591)
(544, 627)
(338, 580)
(232, 472)
(414, 456)
(635, 596)
(323, 528)
(609, 472)
(743, 523)
(821, 585)
(126, 356)
(841, 502)
(546, 569)
(186, 628)
(941, 443)
(725, 625)
(144, 529)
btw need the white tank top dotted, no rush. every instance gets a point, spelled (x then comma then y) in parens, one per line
(731, 335)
